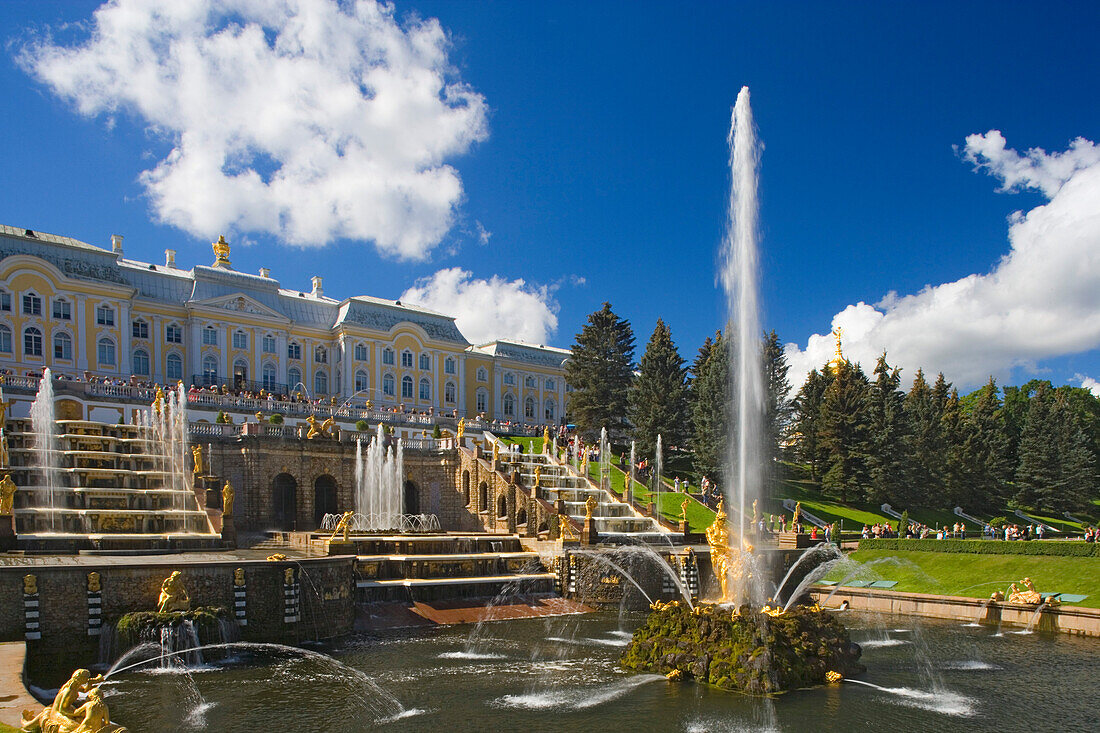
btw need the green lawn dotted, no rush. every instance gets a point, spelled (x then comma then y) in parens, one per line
(699, 517)
(5, 728)
(976, 576)
(530, 445)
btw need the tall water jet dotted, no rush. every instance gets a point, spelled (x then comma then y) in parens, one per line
(629, 493)
(379, 474)
(605, 460)
(659, 465)
(740, 278)
(47, 457)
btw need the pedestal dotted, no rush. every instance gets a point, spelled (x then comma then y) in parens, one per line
(684, 528)
(7, 532)
(229, 532)
(589, 535)
(339, 547)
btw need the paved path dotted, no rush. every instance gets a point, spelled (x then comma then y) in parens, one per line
(14, 697)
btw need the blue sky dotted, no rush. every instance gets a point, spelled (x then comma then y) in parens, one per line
(596, 166)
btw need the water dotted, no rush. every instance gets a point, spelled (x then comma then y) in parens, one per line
(561, 674)
(740, 277)
(379, 479)
(629, 493)
(46, 455)
(659, 465)
(605, 460)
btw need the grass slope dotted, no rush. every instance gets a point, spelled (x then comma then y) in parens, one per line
(976, 576)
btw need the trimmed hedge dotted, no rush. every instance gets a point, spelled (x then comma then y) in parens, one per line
(1068, 548)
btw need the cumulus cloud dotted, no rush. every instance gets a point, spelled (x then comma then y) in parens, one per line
(488, 309)
(1089, 383)
(1041, 300)
(310, 120)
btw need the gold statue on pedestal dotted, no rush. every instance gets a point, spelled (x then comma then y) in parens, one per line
(5, 458)
(67, 715)
(565, 528)
(221, 251)
(1029, 595)
(590, 506)
(314, 430)
(538, 476)
(173, 596)
(546, 439)
(228, 497)
(196, 457)
(724, 557)
(343, 526)
(684, 509)
(496, 451)
(461, 430)
(94, 583)
(327, 427)
(796, 517)
(7, 495)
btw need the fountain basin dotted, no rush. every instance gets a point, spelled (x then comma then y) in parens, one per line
(748, 651)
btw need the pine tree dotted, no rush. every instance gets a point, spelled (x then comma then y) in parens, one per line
(659, 396)
(889, 454)
(985, 451)
(924, 407)
(845, 433)
(710, 412)
(1038, 472)
(808, 448)
(778, 410)
(600, 372)
(958, 472)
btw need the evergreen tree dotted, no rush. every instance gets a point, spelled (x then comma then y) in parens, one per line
(808, 446)
(845, 433)
(778, 410)
(600, 372)
(1037, 473)
(710, 412)
(889, 453)
(924, 407)
(958, 472)
(659, 397)
(1076, 484)
(985, 451)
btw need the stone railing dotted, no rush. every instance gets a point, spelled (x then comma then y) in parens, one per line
(218, 430)
(17, 382)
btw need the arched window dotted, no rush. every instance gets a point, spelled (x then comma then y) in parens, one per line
(141, 363)
(509, 405)
(32, 304)
(425, 389)
(360, 352)
(268, 375)
(406, 359)
(450, 393)
(482, 400)
(361, 381)
(320, 382)
(388, 385)
(529, 382)
(240, 374)
(529, 408)
(5, 339)
(105, 351)
(62, 309)
(406, 387)
(550, 385)
(294, 379)
(449, 365)
(294, 350)
(209, 369)
(173, 333)
(509, 378)
(5, 301)
(32, 342)
(173, 368)
(482, 374)
(551, 410)
(62, 346)
(387, 356)
(425, 361)
(320, 355)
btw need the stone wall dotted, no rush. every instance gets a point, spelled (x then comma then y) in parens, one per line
(324, 591)
(488, 500)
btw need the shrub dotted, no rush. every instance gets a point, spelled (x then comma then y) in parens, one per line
(998, 521)
(436, 432)
(276, 419)
(362, 426)
(222, 418)
(987, 547)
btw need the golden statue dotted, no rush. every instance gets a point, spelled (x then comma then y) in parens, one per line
(65, 716)
(327, 426)
(797, 516)
(461, 430)
(277, 557)
(833, 676)
(7, 495)
(724, 558)
(196, 456)
(590, 505)
(838, 358)
(565, 528)
(5, 459)
(93, 582)
(546, 439)
(496, 451)
(30, 585)
(238, 577)
(4, 405)
(259, 417)
(221, 251)
(314, 431)
(343, 526)
(684, 509)
(538, 476)
(228, 496)
(173, 596)
(1028, 595)
(288, 576)
(772, 608)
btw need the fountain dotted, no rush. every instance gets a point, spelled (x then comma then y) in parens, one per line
(379, 476)
(44, 425)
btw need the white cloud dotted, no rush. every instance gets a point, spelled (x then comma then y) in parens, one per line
(488, 309)
(1041, 300)
(1088, 383)
(308, 119)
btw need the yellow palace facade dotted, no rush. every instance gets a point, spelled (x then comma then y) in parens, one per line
(83, 310)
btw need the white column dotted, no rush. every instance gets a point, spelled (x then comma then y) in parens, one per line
(195, 336)
(79, 337)
(125, 330)
(460, 378)
(348, 385)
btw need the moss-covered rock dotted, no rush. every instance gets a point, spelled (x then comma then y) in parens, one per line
(144, 626)
(748, 651)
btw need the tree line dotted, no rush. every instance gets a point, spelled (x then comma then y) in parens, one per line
(854, 438)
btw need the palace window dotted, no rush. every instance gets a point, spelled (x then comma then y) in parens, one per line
(482, 374)
(105, 352)
(140, 329)
(5, 339)
(361, 381)
(407, 359)
(210, 336)
(550, 385)
(209, 369)
(529, 408)
(173, 368)
(240, 340)
(5, 301)
(529, 382)
(509, 405)
(173, 334)
(509, 378)
(406, 387)
(425, 362)
(294, 350)
(320, 382)
(320, 355)
(268, 375)
(294, 379)
(450, 393)
(268, 344)
(551, 411)
(62, 346)
(449, 365)
(32, 342)
(482, 401)
(141, 363)
(388, 385)
(62, 309)
(387, 356)
(105, 316)
(425, 389)
(32, 305)
(360, 352)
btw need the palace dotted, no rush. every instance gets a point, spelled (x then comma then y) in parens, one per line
(83, 310)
